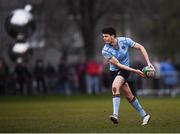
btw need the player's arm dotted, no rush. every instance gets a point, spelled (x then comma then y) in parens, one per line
(115, 62)
(144, 52)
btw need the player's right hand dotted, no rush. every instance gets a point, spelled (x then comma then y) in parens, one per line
(140, 73)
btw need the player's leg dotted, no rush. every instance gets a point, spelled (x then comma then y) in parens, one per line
(116, 85)
(135, 103)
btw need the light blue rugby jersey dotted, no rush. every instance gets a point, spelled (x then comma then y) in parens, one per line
(121, 53)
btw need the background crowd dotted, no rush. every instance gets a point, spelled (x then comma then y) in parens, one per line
(90, 77)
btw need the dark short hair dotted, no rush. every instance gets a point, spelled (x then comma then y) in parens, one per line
(109, 30)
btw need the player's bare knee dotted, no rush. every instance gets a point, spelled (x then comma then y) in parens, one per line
(115, 89)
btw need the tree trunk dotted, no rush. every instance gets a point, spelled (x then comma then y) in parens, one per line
(89, 46)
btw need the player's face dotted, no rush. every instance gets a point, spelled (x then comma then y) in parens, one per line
(108, 38)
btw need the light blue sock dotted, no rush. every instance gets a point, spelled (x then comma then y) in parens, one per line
(138, 107)
(116, 103)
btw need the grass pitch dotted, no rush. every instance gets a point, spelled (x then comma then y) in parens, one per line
(85, 114)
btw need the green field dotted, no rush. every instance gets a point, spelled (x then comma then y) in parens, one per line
(85, 114)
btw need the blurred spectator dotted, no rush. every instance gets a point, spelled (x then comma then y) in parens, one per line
(93, 71)
(11, 84)
(63, 86)
(39, 75)
(80, 71)
(51, 77)
(3, 76)
(23, 77)
(177, 66)
(169, 75)
(73, 80)
(106, 85)
(157, 78)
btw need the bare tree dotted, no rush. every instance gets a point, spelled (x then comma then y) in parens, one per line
(86, 15)
(168, 28)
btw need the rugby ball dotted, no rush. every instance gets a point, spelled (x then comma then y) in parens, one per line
(148, 72)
